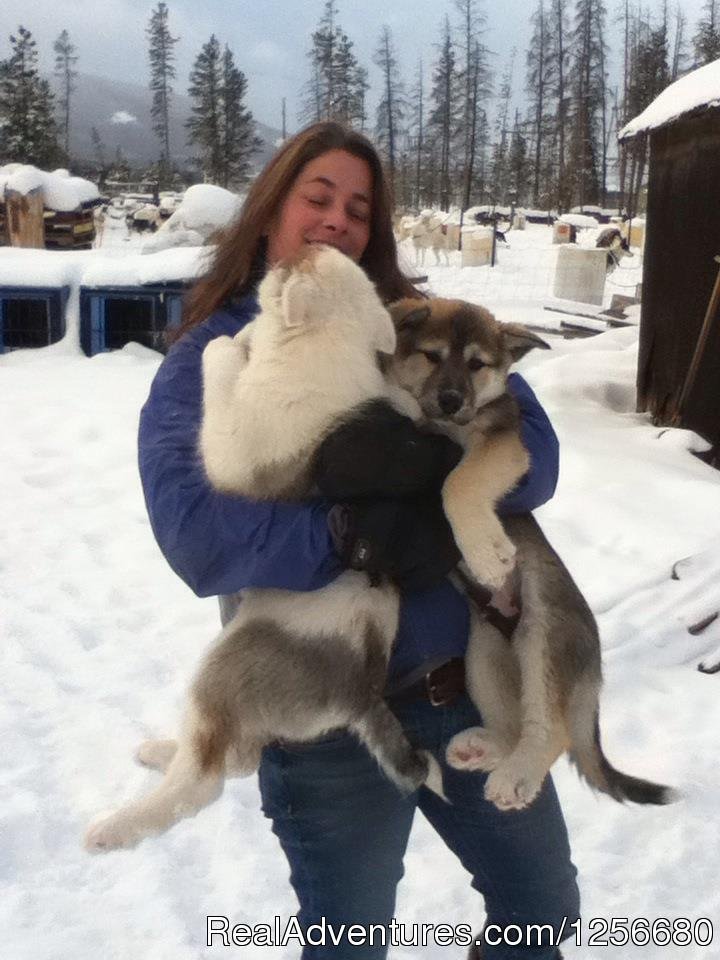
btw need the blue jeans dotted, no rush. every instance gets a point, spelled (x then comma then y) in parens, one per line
(344, 829)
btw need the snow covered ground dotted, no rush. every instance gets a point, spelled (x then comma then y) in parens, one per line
(98, 640)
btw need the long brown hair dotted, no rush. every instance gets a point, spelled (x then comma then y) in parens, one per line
(239, 260)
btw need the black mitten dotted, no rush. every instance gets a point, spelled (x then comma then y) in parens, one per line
(362, 532)
(422, 551)
(381, 453)
(407, 541)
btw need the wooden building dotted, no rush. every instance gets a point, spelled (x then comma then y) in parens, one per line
(678, 370)
(46, 210)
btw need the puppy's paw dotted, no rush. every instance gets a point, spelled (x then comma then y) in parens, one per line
(115, 832)
(222, 361)
(489, 554)
(474, 749)
(512, 786)
(156, 754)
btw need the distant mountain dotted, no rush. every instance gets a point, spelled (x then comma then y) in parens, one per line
(121, 114)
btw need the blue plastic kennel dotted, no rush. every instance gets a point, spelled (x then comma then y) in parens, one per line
(110, 317)
(31, 316)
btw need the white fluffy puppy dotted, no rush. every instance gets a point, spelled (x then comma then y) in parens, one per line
(271, 395)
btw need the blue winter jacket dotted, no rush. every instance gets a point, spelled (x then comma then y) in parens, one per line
(221, 544)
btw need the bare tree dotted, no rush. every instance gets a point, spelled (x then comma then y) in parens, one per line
(391, 108)
(475, 81)
(678, 55)
(540, 83)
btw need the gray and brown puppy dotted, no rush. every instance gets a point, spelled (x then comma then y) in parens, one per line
(538, 695)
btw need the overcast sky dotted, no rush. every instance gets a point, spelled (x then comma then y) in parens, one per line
(269, 38)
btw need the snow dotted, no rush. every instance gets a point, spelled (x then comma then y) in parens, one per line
(98, 640)
(95, 268)
(578, 220)
(203, 210)
(700, 88)
(60, 191)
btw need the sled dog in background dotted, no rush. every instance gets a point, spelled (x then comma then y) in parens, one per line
(538, 695)
(617, 246)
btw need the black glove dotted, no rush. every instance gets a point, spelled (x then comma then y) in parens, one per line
(382, 453)
(409, 541)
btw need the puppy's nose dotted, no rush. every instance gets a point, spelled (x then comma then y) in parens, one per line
(450, 401)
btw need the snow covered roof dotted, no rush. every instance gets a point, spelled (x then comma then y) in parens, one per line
(695, 90)
(578, 220)
(93, 268)
(60, 190)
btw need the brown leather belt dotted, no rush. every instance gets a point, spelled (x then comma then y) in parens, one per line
(440, 687)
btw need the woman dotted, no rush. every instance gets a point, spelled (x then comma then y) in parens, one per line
(343, 827)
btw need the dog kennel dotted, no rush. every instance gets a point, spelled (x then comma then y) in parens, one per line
(31, 316)
(677, 378)
(110, 317)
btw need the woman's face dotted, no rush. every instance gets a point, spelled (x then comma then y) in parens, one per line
(329, 202)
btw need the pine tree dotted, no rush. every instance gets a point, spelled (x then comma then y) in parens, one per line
(120, 170)
(361, 85)
(203, 125)
(220, 124)
(479, 186)
(589, 84)
(98, 147)
(443, 116)
(349, 98)
(162, 73)
(312, 110)
(500, 171)
(518, 163)
(416, 134)
(237, 141)
(707, 39)
(28, 130)
(338, 84)
(560, 46)
(392, 106)
(540, 79)
(320, 96)
(649, 75)
(65, 60)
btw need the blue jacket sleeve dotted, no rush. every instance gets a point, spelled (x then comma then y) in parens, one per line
(538, 484)
(219, 544)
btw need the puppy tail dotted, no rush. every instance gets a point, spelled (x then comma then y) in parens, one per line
(380, 730)
(587, 754)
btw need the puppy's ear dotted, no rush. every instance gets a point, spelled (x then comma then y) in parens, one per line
(519, 340)
(295, 299)
(384, 339)
(409, 314)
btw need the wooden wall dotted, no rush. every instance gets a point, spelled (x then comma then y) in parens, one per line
(683, 237)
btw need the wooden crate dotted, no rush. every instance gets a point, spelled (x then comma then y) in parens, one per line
(69, 231)
(62, 231)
